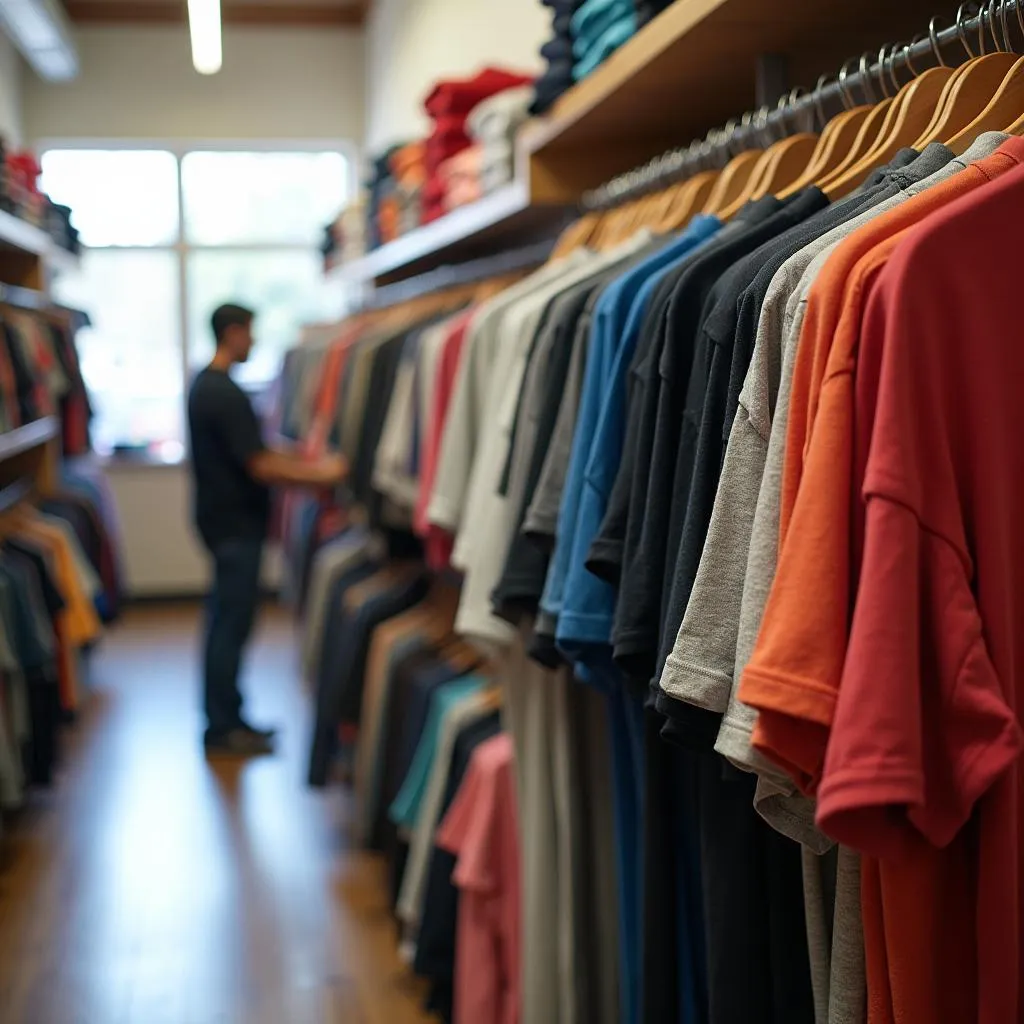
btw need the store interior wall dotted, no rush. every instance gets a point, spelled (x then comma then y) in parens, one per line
(412, 43)
(11, 123)
(139, 83)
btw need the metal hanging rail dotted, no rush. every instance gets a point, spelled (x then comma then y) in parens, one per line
(875, 78)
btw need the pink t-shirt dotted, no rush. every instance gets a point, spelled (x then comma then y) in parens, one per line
(481, 829)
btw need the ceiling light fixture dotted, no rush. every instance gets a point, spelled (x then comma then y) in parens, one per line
(40, 30)
(205, 28)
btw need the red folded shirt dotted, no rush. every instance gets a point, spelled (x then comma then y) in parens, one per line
(461, 95)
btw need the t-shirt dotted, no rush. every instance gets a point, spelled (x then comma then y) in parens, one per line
(651, 527)
(481, 828)
(582, 603)
(700, 668)
(795, 667)
(923, 766)
(225, 435)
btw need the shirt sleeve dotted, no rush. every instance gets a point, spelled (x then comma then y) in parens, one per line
(922, 729)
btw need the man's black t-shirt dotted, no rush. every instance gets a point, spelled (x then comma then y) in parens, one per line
(225, 435)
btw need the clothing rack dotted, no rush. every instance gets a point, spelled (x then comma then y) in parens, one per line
(508, 261)
(800, 110)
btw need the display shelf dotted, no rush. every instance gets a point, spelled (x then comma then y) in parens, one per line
(31, 454)
(24, 439)
(503, 219)
(692, 68)
(16, 233)
(28, 254)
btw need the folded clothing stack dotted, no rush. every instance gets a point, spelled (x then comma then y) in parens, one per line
(409, 169)
(379, 187)
(646, 10)
(493, 125)
(599, 28)
(460, 175)
(448, 106)
(557, 52)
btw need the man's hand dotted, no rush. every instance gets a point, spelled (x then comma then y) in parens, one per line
(332, 470)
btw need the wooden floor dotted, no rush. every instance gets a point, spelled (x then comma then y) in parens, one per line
(151, 888)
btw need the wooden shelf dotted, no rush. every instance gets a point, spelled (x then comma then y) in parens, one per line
(691, 69)
(503, 219)
(28, 254)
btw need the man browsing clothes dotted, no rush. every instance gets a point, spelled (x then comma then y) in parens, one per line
(233, 470)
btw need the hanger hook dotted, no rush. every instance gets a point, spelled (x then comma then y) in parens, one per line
(1019, 4)
(933, 36)
(961, 31)
(849, 101)
(882, 83)
(1004, 26)
(794, 95)
(1003, 42)
(890, 64)
(816, 96)
(865, 79)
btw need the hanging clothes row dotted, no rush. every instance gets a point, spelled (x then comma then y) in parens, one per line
(40, 374)
(730, 486)
(48, 619)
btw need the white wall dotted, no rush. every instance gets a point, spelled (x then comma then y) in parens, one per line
(412, 43)
(11, 71)
(140, 83)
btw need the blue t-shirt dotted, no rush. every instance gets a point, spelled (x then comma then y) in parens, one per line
(405, 809)
(583, 604)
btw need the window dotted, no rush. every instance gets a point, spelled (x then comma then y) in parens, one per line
(168, 236)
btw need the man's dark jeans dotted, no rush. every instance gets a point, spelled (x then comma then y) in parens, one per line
(230, 611)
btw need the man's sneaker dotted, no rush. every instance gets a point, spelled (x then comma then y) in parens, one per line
(239, 742)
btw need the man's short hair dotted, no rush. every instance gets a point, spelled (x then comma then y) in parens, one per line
(230, 315)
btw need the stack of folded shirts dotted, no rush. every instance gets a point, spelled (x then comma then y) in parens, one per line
(646, 10)
(461, 177)
(379, 186)
(493, 125)
(448, 106)
(409, 169)
(599, 28)
(557, 51)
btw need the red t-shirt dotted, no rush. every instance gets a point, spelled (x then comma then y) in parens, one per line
(926, 719)
(481, 829)
(439, 542)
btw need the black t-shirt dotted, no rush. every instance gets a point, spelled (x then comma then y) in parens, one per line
(732, 327)
(225, 435)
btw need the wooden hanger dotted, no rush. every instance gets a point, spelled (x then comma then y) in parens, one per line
(575, 236)
(689, 202)
(834, 144)
(1005, 105)
(917, 103)
(732, 180)
(781, 164)
(789, 159)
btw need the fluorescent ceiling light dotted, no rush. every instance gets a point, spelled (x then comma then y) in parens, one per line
(40, 30)
(204, 26)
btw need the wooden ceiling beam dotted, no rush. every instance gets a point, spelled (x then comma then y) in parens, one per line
(172, 12)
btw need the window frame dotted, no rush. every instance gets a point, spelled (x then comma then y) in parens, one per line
(181, 247)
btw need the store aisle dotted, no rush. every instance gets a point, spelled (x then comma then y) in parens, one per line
(151, 888)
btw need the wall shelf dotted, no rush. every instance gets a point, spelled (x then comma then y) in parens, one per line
(24, 439)
(691, 69)
(506, 218)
